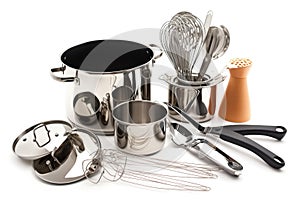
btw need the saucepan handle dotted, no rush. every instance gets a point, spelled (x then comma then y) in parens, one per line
(62, 69)
(235, 138)
(158, 50)
(277, 132)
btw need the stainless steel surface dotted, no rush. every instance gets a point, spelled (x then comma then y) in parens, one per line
(58, 151)
(54, 167)
(203, 148)
(187, 98)
(101, 84)
(140, 127)
(65, 164)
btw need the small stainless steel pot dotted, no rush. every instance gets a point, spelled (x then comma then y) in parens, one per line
(140, 127)
(97, 68)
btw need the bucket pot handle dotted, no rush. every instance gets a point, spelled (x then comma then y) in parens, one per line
(61, 79)
(158, 50)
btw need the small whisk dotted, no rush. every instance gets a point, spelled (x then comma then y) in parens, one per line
(182, 39)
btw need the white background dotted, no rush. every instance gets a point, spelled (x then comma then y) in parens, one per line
(35, 33)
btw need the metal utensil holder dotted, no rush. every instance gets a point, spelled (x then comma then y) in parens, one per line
(198, 100)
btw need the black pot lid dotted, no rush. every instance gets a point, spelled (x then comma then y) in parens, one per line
(41, 139)
(107, 56)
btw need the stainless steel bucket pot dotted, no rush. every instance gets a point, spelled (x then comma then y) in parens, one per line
(140, 127)
(98, 67)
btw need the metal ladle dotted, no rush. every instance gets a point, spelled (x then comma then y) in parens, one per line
(215, 45)
(226, 41)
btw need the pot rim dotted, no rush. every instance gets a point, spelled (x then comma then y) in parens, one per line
(110, 73)
(140, 124)
(172, 80)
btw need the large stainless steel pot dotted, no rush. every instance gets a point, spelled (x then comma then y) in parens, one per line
(96, 68)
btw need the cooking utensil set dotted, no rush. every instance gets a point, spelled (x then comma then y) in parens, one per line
(111, 96)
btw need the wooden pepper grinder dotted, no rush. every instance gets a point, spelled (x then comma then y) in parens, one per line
(235, 105)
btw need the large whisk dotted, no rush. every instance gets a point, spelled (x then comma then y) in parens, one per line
(182, 39)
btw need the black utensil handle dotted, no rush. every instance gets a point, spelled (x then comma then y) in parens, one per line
(277, 132)
(269, 157)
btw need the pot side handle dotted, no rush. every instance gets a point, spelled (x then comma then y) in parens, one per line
(159, 50)
(61, 79)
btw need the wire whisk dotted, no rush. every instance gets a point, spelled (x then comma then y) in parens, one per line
(148, 172)
(182, 39)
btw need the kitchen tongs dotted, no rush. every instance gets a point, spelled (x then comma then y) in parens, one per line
(201, 148)
(235, 134)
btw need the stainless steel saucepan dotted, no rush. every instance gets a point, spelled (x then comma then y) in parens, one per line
(140, 127)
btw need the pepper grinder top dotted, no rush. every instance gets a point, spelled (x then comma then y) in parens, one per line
(235, 105)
